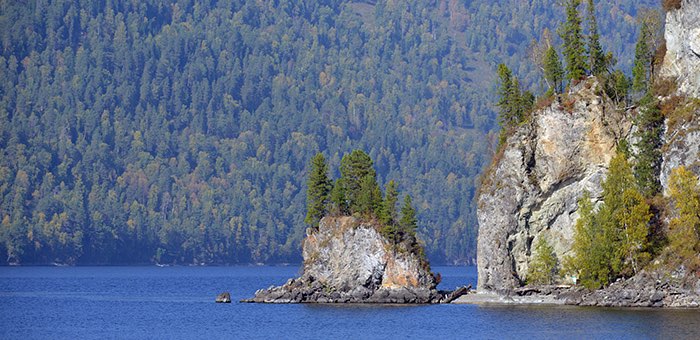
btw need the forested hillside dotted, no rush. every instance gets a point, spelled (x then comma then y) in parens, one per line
(181, 132)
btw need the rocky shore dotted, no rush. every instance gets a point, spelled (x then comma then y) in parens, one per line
(304, 290)
(647, 289)
(347, 260)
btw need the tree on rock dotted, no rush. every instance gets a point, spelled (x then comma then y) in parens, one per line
(388, 214)
(408, 222)
(596, 55)
(613, 240)
(574, 51)
(553, 71)
(543, 267)
(684, 228)
(353, 169)
(318, 191)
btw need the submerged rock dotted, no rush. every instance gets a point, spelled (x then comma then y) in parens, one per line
(347, 260)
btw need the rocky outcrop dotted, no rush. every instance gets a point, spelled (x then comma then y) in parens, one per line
(347, 260)
(532, 191)
(682, 60)
(224, 297)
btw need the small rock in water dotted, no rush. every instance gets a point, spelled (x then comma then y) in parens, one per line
(224, 297)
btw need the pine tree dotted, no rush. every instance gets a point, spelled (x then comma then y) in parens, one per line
(507, 97)
(684, 227)
(339, 202)
(543, 266)
(650, 132)
(408, 222)
(369, 199)
(317, 194)
(626, 216)
(353, 169)
(642, 59)
(613, 240)
(574, 51)
(553, 72)
(596, 56)
(388, 215)
(592, 261)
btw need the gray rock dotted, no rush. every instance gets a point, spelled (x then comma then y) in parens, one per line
(347, 260)
(534, 188)
(224, 297)
(682, 60)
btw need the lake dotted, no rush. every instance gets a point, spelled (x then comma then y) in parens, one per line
(178, 302)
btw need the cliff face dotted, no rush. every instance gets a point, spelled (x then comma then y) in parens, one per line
(533, 190)
(345, 253)
(349, 261)
(682, 60)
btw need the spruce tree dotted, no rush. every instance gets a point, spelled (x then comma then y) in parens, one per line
(574, 51)
(642, 59)
(369, 199)
(649, 141)
(353, 169)
(388, 215)
(317, 194)
(339, 202)
(553, 72)
(596, 56)
(506, 97)
(613, 240)
(408, 222)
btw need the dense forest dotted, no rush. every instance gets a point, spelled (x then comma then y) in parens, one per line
(181, 131)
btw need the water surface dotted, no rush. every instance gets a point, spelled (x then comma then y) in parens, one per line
(178, 303)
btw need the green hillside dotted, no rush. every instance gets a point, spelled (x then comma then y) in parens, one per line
(144, 131)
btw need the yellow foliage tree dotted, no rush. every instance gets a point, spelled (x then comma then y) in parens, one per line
(684, 227)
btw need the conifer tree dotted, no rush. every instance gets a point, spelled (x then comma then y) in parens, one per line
(574, 51)
(408, 222)
(648, 167)
(596, 56)
(642, 58)
(339, 203)
(388, 215)
(369, 199)
(592, 261)
(553, 72)
(613, 240)
(684, 228)
(627, 214)
(353, 169)
(507, 97)
(543, 266)
(317, 194)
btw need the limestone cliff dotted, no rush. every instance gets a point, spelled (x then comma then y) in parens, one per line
(533, 187)
(348, 260)
(682, 35)
(682, 63)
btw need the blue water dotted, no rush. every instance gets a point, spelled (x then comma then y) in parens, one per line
(178, 302)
